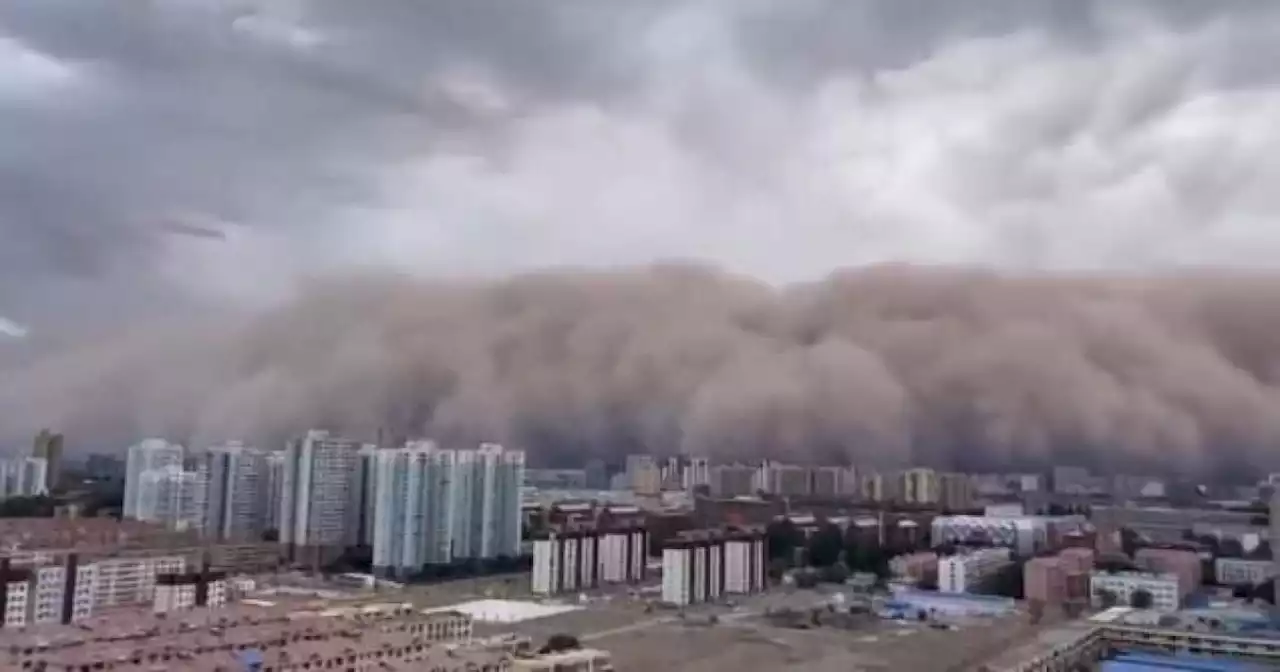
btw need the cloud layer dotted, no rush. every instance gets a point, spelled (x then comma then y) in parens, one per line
(181, 158)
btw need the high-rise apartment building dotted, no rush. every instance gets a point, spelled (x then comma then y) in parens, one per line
(955, 492)
(149, 455)
(320, 472)
(48, 446)
(834, 481)
(23, 477)
(920, 486)
(171, 496)
(733, 480)
(273, 462)
(693, 569)
(235, 498)
(488, 485)
(360, 513)
(697, 472)
(435, 506)
(785, 479)
(746, 560)
(644, 474)
(878, 487)
(413, 509)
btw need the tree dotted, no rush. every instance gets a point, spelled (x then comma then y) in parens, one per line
(1008, 581)
(1129, 541)
(1107, 598)
(1141, 599)
(806, 578)
(39, 506)
(1230, 548)
(561, 642)
(834, 573)
(782, 538)
(826, 545)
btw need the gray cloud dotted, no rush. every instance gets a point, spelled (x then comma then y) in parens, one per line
(182, 158)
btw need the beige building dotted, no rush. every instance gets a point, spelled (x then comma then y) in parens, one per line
(644, 474)
(876, 487)
(920, 486)
(955, 492)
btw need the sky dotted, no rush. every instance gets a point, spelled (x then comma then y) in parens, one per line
(164, 156)
(982, 233)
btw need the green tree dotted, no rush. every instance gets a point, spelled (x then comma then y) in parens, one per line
(826, 545)
(1141, 599)
(782, 538)
(834, 573)
(561, 642)
(39, 506)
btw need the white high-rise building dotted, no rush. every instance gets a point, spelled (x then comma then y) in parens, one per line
(149, 455)
(234, 478)
(24, 477)
(320, 472)
(411, 508)
(363, 497)
(435, 506)
(170, 496)
(745, 562)
(495, 475)
(274, 464)
(691, 569)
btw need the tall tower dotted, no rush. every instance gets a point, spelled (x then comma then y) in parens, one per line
(234, 476)
(149, 455)
(320, 474)
(48, 445)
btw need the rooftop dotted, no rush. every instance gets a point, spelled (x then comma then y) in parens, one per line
(506, 611)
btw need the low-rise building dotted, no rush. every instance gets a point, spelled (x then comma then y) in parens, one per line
(189, 590)
(1121, 586)
(1045, 580)
(46, 594)
(285, 637)
(969, 572)
(1241, 572)
(576, 660)
(1183, 564)
(125, 582)
(914, 568)
(1077, 559)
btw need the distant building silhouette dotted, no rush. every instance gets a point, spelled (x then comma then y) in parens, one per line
(48, 445)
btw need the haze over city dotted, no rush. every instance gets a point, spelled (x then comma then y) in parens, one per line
(1001, 235)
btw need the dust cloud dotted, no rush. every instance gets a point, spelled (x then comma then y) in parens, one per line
(878, 366)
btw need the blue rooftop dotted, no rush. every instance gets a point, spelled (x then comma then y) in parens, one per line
(1143, 662)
